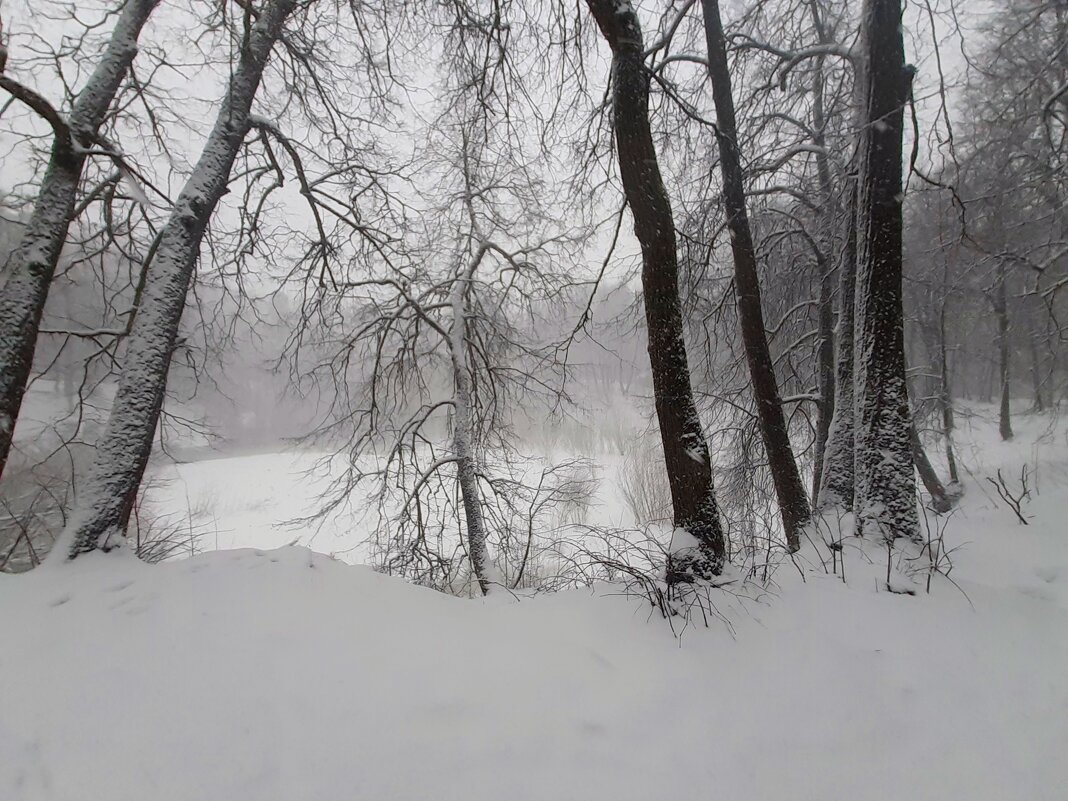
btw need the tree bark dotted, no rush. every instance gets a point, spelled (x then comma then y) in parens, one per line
(885, 492)
(1001, 311)
(1036, 372)
(104, 505)
(689, 466)
(825, 364)
(945, 395)
(825, 376)
(793, 503)
(33, 263)
(838, 475)
(463, 437)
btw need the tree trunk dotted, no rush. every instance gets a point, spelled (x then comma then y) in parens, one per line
(689, 466)
(885, 493)
(104, 505)
(1036, 373)
(945, 394)
(33, 264)
(825, 375)
(793, 504)
(825, 365)
(1001, 311)
(463, 440)
(837, 480)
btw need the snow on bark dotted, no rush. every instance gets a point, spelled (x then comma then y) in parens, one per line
(33, 263)
(104, 505)
(689, 468)
(885, 493)
(837, 478)
(463, 435)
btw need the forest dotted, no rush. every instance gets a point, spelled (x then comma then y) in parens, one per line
(476, 398)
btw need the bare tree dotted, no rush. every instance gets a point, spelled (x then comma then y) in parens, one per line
(793, 504)
(33, 264)
(105, 504)
(686, 454)
(446, 349)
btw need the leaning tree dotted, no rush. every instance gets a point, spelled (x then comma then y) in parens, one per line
(76, 136)
(686, 452)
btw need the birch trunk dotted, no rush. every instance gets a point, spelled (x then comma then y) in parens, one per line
(790, 491)
(104, 505)
(885, 493)
(686, 456)
(33, 264)
(463, 438)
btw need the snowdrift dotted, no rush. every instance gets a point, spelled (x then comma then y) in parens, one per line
(287, 675)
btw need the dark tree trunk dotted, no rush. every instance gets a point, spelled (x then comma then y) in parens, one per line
(885, 493)
(33, 264)
(837, 480)
(945, 395)
(1037, 378)
(793, 504)
(104, 505)
(1001, 311)
(689, 466)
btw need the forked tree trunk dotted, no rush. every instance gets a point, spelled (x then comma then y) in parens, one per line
(104, 505)
(885, 494)
(33, 264)
(793, 503)
(689, 467)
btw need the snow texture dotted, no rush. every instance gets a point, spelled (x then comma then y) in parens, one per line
(263, 676)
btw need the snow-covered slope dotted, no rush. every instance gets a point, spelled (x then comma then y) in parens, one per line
(253, 676)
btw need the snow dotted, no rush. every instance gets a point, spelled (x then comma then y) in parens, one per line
(284, 674)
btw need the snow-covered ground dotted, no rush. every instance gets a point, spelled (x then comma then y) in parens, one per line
(284, 674)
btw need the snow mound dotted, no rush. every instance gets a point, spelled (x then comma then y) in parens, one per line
(251, 675)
